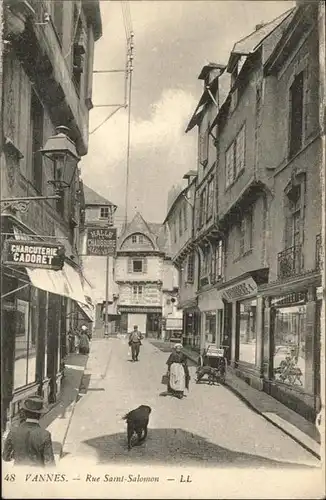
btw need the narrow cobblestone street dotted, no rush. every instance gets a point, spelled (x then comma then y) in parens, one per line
(210, 427)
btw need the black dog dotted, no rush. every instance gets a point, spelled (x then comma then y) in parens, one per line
(213, 376)
(137, 422)
(212, 373)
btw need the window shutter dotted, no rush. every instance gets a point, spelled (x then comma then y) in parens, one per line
(129, 265)
(145, 265)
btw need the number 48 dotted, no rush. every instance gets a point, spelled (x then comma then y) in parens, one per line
(10, 477)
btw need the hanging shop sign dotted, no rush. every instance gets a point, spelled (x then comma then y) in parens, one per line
(101, 241)
(34, 254)
(241, 290)
(289, 299)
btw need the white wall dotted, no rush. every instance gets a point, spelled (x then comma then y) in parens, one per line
(154, 269)
(139, 320)
(95, 271)
(151, 295)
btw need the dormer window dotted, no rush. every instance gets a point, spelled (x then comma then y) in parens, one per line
(134, 238)
(104, 212)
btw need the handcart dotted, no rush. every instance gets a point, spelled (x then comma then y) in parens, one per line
(212, 357)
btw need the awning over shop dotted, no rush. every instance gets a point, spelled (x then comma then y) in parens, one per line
(66, 282)
(88, 310)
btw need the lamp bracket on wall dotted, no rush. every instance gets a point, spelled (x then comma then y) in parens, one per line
(21, 204)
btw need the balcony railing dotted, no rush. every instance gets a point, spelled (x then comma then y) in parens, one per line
(290, 262)
(319, 253)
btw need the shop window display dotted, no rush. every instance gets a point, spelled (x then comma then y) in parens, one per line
(247, 331)
(289, 345)
(25, 352)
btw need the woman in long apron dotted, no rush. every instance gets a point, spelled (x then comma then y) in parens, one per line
(178, 373)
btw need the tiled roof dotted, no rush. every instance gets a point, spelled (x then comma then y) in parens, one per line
(251, 42)
(93, 198)
(152, 229)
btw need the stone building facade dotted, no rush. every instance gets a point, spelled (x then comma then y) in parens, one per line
(178, 225)
(145, 277)
(268, 135)
(96, 215)
(47, 62)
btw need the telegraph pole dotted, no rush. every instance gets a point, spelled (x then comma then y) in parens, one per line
(112, 209)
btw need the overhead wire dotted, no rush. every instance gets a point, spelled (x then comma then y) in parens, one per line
(127, 25)
(105, 120)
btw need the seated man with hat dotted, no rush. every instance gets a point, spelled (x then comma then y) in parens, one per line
(29, 444)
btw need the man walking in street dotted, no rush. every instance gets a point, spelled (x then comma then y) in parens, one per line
(135, 342)
(29, 444)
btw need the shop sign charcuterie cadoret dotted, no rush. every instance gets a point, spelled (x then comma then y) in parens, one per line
(34, 254)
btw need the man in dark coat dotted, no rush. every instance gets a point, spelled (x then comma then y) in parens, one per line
(29, 444)
(135, 343)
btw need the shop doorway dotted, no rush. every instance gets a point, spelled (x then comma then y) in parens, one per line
(153, 326)
(227, 333)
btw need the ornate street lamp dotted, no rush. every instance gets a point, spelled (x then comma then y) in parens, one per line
(61, 150)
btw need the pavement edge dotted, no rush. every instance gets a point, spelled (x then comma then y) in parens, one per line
(56, 426)
(306, 446)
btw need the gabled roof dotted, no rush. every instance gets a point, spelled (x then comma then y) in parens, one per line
(93, 198)
(190, 173)
(208, 68)
(251, 42)
(200, 108)
(139, 225)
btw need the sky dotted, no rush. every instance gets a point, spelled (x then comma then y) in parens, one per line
(173, 40)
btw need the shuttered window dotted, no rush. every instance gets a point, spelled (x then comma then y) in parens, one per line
(137, 265)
